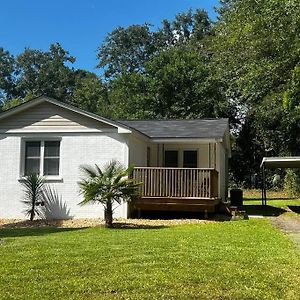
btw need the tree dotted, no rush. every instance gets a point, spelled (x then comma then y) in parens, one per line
(129, 97)
(45, 73)
(34, 195)
(256, 53)
(108, 186)
(194, 25)
(7, 75)
(126, 50)
(90, 93)
(182, 85)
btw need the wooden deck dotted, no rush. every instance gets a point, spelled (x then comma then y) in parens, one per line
(177, 189)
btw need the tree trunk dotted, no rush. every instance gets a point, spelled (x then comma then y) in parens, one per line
(108, 214)
(32, 212)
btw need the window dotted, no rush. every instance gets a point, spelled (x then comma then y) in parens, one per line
(42, 157)
(190, 159)
(32, 157)
(51, 158)
(171, 158)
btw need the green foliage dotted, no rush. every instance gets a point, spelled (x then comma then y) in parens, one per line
(108, 186)
(292, 183)
(90, 94)
(45, 73)
(256, 53)
(33, 195)
(126, 50)
(7, 70)
(181, 85)
(129, 97)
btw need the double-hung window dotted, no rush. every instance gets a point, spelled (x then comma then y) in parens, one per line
(42, 157)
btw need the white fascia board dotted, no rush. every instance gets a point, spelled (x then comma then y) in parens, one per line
(63, 130)
(123, 130)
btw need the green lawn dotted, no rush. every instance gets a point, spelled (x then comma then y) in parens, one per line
(278, 203)
(225, 260)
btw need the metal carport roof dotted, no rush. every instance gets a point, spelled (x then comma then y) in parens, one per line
(274, 163)
(281, 162)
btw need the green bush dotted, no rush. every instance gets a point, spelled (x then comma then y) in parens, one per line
(292, 183)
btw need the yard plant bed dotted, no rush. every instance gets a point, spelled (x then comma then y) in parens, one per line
(216, 260)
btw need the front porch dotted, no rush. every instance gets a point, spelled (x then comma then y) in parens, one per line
(177, 189)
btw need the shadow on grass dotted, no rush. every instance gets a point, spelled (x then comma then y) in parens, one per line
(35, 228)
(180, 215)
(117, 225)
(263, 210)
(295, 209)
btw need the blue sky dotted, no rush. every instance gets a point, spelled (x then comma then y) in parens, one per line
(81, 25)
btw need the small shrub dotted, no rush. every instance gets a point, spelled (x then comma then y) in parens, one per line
(292, 183)
(33, 195)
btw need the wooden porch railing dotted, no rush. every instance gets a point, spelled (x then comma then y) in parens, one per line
(177, 182)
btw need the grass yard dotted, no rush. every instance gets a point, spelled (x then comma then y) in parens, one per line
(278, 203)
(225, 260)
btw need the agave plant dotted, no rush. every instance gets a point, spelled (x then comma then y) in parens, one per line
(109, 186)
(34, 195)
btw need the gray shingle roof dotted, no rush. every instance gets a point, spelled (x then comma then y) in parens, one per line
(199, 128)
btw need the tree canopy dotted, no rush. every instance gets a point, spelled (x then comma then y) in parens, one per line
(245, 66)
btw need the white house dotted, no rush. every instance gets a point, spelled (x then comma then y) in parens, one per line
(182, 163)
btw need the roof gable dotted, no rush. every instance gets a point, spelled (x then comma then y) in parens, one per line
(47, 114)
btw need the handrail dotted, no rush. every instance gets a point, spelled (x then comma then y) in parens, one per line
(177, 182)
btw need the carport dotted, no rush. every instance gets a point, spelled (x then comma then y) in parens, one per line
(274, 163)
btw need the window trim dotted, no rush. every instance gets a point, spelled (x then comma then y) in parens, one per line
(42, 140)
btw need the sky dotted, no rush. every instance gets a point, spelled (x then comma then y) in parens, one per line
(80, 26)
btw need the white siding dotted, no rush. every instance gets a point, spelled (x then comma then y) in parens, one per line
(76, 149)
(203, 152)
(49, 117)
(138, 152)
(221, 168)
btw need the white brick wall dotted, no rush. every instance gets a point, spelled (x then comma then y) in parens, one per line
(76, 149)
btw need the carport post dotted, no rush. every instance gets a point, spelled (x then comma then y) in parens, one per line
(263, 187)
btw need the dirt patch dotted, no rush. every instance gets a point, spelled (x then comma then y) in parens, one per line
(79, 223)
(287, 224)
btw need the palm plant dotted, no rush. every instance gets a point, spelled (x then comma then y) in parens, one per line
(34, 195)
(108, 186)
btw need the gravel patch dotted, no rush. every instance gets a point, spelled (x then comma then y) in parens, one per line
(78, 223)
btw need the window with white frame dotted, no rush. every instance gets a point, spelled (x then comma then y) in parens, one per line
(42, 157)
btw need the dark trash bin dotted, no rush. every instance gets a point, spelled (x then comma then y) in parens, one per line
(236, 197)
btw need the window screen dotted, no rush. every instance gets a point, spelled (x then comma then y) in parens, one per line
(51, 157)
(171, 159)
(32, 157)
(190, 159)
